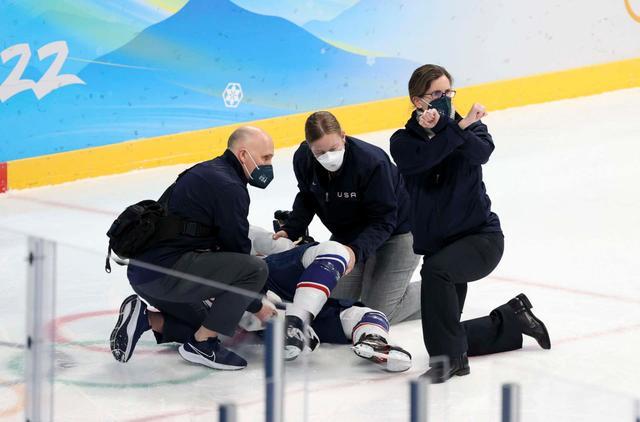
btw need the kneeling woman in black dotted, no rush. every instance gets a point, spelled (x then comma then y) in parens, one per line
(440, 155)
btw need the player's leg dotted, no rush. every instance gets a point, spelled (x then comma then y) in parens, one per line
(350, 286)
(305, 277)
(369, 332)
(324, 264)
(348, 322)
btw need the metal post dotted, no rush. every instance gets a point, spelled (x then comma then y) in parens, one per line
(274, 370)
(227, 412)
(637, 412)
(39, 359)
(419, 400)
(510, 403)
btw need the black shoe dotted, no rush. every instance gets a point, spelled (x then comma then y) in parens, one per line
(132, 323)
(211, 353)
(530, 325)
(441, 372)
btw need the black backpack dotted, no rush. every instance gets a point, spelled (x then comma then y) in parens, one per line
(147, 223)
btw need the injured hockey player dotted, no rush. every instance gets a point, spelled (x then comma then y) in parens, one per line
(303, 276)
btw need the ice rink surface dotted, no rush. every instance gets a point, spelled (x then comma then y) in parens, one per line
(564, 179)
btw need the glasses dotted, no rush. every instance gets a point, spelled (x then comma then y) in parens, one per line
(438, 94)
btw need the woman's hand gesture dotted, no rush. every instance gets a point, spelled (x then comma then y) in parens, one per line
(429, 118)
(476, 113)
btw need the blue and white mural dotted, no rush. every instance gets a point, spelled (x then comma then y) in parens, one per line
(82, 73)
(211, 63)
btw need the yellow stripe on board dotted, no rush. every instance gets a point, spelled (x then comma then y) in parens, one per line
(288, 130)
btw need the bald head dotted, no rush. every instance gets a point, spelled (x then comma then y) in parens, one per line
(246, 134)
(252, 146)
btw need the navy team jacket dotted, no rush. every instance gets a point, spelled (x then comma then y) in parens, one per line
(444, 179)
(362, 204)
(213, 193)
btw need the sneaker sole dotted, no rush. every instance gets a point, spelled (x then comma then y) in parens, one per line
(128, 317)
(196, 358)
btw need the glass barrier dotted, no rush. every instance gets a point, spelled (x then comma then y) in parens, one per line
(156, 382)
(72, 329)
(546, 393)
(13, 320)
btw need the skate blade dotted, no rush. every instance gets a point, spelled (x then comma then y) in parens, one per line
(394, 361)
(291, 352)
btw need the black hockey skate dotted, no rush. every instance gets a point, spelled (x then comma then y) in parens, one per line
(298, 337)
(376, 349)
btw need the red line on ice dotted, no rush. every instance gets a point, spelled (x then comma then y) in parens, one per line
(564, 289)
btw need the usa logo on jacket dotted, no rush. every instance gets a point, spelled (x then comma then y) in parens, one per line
(347, 195)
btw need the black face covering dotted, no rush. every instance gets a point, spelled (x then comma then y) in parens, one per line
(261, 176)
(442, 105)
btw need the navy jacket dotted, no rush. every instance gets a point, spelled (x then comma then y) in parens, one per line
(444, 179)
(213, 193)
(362, 204)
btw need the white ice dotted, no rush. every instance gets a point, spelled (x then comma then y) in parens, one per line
(564, 181)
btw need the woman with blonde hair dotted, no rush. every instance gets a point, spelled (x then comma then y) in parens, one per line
(358, 194)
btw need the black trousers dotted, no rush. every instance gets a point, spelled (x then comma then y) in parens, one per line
(444, 289)
(181, 301)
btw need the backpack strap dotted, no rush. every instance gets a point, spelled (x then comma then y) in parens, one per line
(166, 195)
(107, 265)
(172, 226)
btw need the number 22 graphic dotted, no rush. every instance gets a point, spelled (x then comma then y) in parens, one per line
(49, 82)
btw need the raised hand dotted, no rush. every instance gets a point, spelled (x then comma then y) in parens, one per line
(477, 112)
(429, 118)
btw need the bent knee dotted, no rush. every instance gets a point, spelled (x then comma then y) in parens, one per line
(433, 272)
(329, 248)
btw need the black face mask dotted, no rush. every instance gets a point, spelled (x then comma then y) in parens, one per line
(442, 105)
(261, 176)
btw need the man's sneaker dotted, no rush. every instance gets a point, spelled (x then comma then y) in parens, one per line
(132, 322)
(211, 353)
(530, 325)
(376, 349)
